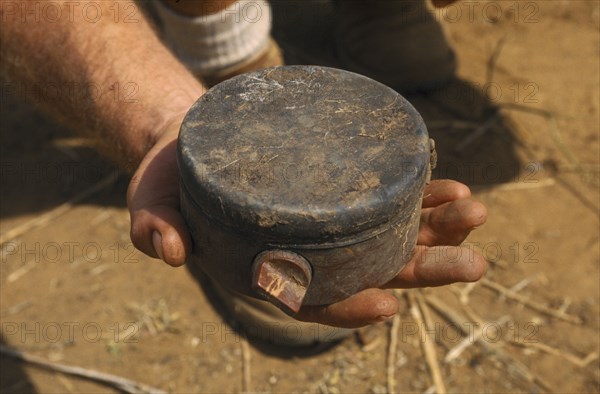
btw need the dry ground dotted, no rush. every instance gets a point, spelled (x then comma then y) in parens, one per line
(74, 291)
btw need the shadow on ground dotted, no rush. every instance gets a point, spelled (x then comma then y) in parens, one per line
(13, 378)
(263, 346)
(475, 144)
(43, 164)
(42, 167)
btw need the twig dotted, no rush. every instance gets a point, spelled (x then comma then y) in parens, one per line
(527, 302)
(491, 64)
(511, 186)
(100, 269)
(21, 306)
(557, 138)
(523, 137)
(474, 316)
(580, 362)
(46, 218)
(463, 345)
(65, 382)
(555, 134)
(430, 390)
(459, 321)
(519, 286)
(525, 108)
(101, 217)
(457, 350)
(428, 320)
(22, 270)
(372, 345)
(477, 333)
(466, 291)
(245, 365)
(522, 284)
(126, 385)
(392, 350)
(581, 197)
(565, 305)
(417, 311)
(477, 133)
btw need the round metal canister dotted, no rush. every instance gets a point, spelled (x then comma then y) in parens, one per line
(302, 184)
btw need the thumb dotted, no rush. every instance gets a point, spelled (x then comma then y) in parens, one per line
(159, 231)
(157, 227)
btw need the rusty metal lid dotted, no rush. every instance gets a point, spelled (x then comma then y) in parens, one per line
(304, 155)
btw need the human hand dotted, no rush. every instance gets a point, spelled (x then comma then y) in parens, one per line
(157, 227)
(447, 218)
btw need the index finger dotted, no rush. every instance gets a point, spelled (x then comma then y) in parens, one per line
(442, 191)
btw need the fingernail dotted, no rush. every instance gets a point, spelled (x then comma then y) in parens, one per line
(157, 242)
(382, 318)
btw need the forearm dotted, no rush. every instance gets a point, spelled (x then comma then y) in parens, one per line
(123, 85)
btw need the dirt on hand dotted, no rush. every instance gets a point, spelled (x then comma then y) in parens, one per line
(520, 127)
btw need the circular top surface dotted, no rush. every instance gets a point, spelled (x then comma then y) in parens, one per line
(303, 155)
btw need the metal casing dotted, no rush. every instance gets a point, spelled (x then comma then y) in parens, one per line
(323, 162)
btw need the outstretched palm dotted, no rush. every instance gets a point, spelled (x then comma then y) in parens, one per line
(447, 218)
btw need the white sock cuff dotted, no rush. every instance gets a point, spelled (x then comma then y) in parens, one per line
(210, 43)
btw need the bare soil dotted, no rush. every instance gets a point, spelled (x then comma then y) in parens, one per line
(75, 291)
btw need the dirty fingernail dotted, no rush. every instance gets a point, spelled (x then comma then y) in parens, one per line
(157, 242)
(382, 318)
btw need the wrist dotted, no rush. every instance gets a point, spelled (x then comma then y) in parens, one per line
(161, 127)
(174, 109)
